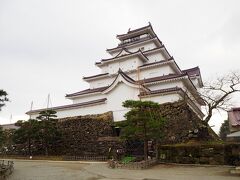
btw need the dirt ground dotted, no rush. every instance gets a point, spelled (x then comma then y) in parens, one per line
(52, 170)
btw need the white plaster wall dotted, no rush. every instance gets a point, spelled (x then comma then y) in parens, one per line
(172, 84)
(156, 71)
(158, 56)
(125, 64)
(88, 98)
(165, 85)
(147, 46)
(144, 73)
(97, 109)
(130, 64)
(104, 69)
(119, 94)
(163, 99)
(101, 82)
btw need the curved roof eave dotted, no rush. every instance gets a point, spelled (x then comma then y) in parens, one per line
(122, 77)
(137, 53)
(70, 106)
(130, 33)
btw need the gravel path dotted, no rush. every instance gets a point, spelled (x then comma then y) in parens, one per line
(52, 170)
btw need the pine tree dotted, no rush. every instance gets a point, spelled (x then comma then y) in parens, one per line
(3, 98)
(224, 130)
(48, 127)
(143, 122)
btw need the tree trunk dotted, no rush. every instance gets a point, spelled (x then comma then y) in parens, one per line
(29, 147)
(145, 149)
(156, 149)
(46, 148)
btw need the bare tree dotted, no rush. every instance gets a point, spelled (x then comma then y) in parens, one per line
(217, 94)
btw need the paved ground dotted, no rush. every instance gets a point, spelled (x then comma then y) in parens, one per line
(51, 170)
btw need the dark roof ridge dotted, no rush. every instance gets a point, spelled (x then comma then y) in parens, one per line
(161, 91)
(126, 76)
(135, 30)
(123, 49)
(235, 109)
(104, 60)
(87, 91)
(193, 68)
(164, 77)
(157, 62)
(132, 43)
(102, 74)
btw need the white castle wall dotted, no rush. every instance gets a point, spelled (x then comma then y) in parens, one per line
(97, 109)
(163, 99)
(155, 57)
(125, 64)
(156, 71)
(153, 71)
(121, 91)
(101, 82)
(119, 94)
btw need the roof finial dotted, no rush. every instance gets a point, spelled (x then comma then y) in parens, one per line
(129, 29)
(120, 70)
(149, 23)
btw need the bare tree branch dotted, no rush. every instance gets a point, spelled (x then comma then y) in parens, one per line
(217, 94)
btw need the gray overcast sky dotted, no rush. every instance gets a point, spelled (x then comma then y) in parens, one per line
(47, 46)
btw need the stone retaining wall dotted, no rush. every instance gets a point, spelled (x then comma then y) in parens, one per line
(93, 135)
(215, 154)
(182, 124)
(88, 135)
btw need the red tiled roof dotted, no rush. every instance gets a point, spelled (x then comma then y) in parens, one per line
(157, 62)
(144, 65)
(98, 75)
(87, 91)
(236, 109)
(129, 79)
(135, 42)
(161, 91)
(192, 71)
(125, 55)
(70, 105)
(161, 78)
(234, 116)
(135, 30)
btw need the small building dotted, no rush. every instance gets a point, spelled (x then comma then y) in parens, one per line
(234, 124)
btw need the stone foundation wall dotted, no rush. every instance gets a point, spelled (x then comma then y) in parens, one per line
(182, 124)
(93, 135)
(215, 154)
(89, 135)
